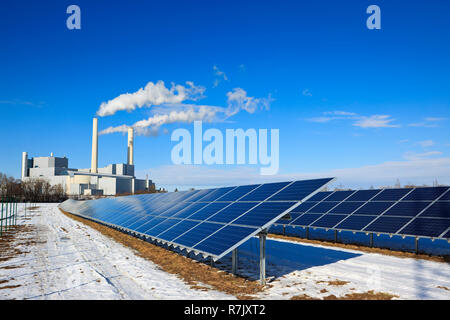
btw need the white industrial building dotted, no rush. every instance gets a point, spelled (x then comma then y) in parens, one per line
(110, 180)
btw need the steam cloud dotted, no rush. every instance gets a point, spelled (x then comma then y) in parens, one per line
(151, 94)
(168, 107)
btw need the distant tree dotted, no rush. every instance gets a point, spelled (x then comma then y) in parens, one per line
(397, 184)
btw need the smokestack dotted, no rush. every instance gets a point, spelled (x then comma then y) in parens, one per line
(94, 160)
(24, 164)
(130, 146)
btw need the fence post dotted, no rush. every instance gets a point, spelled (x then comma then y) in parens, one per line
(6, 216)
(1, 223)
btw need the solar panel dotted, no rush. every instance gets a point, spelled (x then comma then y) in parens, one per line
(423, 211)
(210, 221)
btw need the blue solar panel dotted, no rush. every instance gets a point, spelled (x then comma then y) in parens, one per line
(446, 196)
(426, 193)
(224, 238)
(354, 222)
(387, 224)
(298, 190)
(305, 206)
(232, 212)
(265, 191)
(205, 217)
(213, 196)
(263, 213)
(407, 208)
(439, 209)
(328, 221)
(319, 196)
(339, 195)
(374, 208)
(238, 193)
(346, 207)
(198, 233)
(306, 219)
(208, 210)
(322, 207)
(363, 195)
(178, 229)
(391, 194)
(429, 227)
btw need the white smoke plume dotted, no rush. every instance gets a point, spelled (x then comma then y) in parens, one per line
(150, 126)
(151, 94)
(168, 107)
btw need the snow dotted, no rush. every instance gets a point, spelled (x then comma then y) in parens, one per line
(73, 261)
(70, 260)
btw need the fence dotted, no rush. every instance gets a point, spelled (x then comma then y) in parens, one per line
(8, 214)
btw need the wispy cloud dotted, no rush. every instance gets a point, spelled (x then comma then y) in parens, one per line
(220, 75)
(426, 143)
(373, 121)
(22, 102)
(307, 93)
(152, 94)
(412, 156)
(428, 122)
(376, 121)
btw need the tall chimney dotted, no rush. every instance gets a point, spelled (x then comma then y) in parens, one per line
(94, 160)
(24, 164)
(130, 146)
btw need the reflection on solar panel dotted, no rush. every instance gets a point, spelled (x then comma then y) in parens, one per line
(421, 212)
(212, 221)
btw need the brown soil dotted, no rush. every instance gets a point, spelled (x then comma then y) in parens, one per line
(9, 287)
(303, 297)
(400, 254)
(192, 272)
(442, 287)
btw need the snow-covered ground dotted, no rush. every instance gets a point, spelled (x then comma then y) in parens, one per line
(69, 260)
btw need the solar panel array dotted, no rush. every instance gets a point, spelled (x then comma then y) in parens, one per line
(210, 221)
(422, 211)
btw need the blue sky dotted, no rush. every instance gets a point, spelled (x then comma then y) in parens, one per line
(367, 106)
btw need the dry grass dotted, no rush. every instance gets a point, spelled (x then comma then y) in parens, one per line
(333, 282)
(442, 287)
(13, 238)
(400, 254)
(369, 295)
(192, 272)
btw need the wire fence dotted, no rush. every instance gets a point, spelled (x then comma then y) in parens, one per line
(8, 214)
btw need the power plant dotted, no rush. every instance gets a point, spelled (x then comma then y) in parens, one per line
(111, 180)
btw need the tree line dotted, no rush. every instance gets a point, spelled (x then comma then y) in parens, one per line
(31, 190)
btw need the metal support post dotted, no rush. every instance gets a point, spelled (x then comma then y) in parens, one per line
(335, 236)
(371, 240)
(307, 232)
(212, 262)
(234, 261)
(416, 245)
(262, 258)
(284, 230)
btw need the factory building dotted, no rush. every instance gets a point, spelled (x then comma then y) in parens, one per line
(110, 180)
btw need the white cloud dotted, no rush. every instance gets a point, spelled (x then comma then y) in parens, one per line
(151, 94)
(429, 122)
(420, 156)
(341, 113)
(321, 119)
(238, 100)
(220, 76)
(426, 143)
(376, 121)
(416, 171)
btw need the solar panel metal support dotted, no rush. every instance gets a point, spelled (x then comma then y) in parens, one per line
(335, 236)
(371, 239)
(262, 258)
(234, 261)
(284, 230)
(416, 245)
(307, 233)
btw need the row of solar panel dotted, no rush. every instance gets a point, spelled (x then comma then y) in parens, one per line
(407, 211)
(196, 219)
